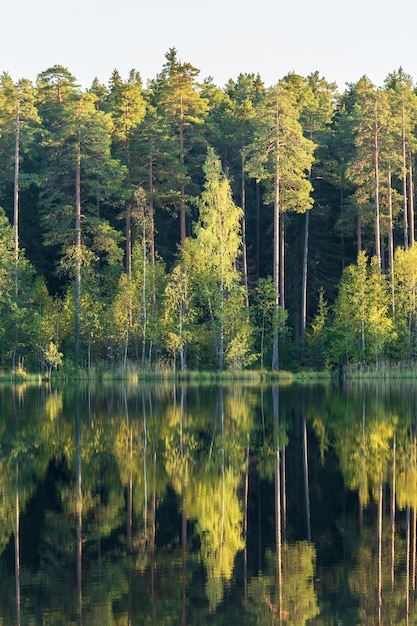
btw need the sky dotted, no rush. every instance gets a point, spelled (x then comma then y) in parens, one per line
(222, 38)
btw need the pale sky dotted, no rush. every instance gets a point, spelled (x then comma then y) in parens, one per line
(222, 38)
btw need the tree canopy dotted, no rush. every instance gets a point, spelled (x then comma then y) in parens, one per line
(155, 217)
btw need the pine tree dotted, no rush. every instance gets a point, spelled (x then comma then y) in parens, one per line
(403, 103)
(19, 122)
(371, 127)
(177, 95)
(126, 105)
(77, 170)
(314, 96)
(244, 95)
(281, 157)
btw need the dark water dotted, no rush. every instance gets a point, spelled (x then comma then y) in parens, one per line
(208, 505)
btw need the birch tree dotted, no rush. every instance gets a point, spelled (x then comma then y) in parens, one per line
(211, 260)
(362, 326)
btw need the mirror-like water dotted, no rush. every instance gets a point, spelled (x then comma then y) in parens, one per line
(208, 505)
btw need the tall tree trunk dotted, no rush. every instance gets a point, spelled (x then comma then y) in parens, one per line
(404, 164)
(16, 190)
(282, 263)
(411, 201)
(128, 221)
(144, 286)
(183, 229)
(16, 223)
(244, 247)
(275, 348)
(78, 252)
(258, 228)
(151, 211)
(151, 219)
(376, 199)
(276, 259)
(390, 239)
(304, 284)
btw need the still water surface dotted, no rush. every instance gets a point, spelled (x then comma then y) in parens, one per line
(191, 505)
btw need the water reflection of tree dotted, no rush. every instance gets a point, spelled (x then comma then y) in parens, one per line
(298, 596)
(376, 452)
(22, 465)
(283, 592)
(406, 495)
(207, 477)
(190, 461)
(84, 508)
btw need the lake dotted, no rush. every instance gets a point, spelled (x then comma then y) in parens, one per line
(169, 504)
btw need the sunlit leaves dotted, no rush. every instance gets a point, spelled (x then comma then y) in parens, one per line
(362, 326)
(215, 504)
(210, 263)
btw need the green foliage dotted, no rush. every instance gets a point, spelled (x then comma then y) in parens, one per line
(177, 95)
(280, 152)
(178, 314)
(362, 326)
(147, 484)
(53, 358)
(210, 259)
(74, 130)
(134, 316)
(214, 503)
(19, 327)
(405, 303)
(318, 335)
(75, 164)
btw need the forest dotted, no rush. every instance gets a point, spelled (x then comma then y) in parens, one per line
(182, 226)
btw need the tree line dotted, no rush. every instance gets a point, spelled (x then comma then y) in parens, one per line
(184, 225)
